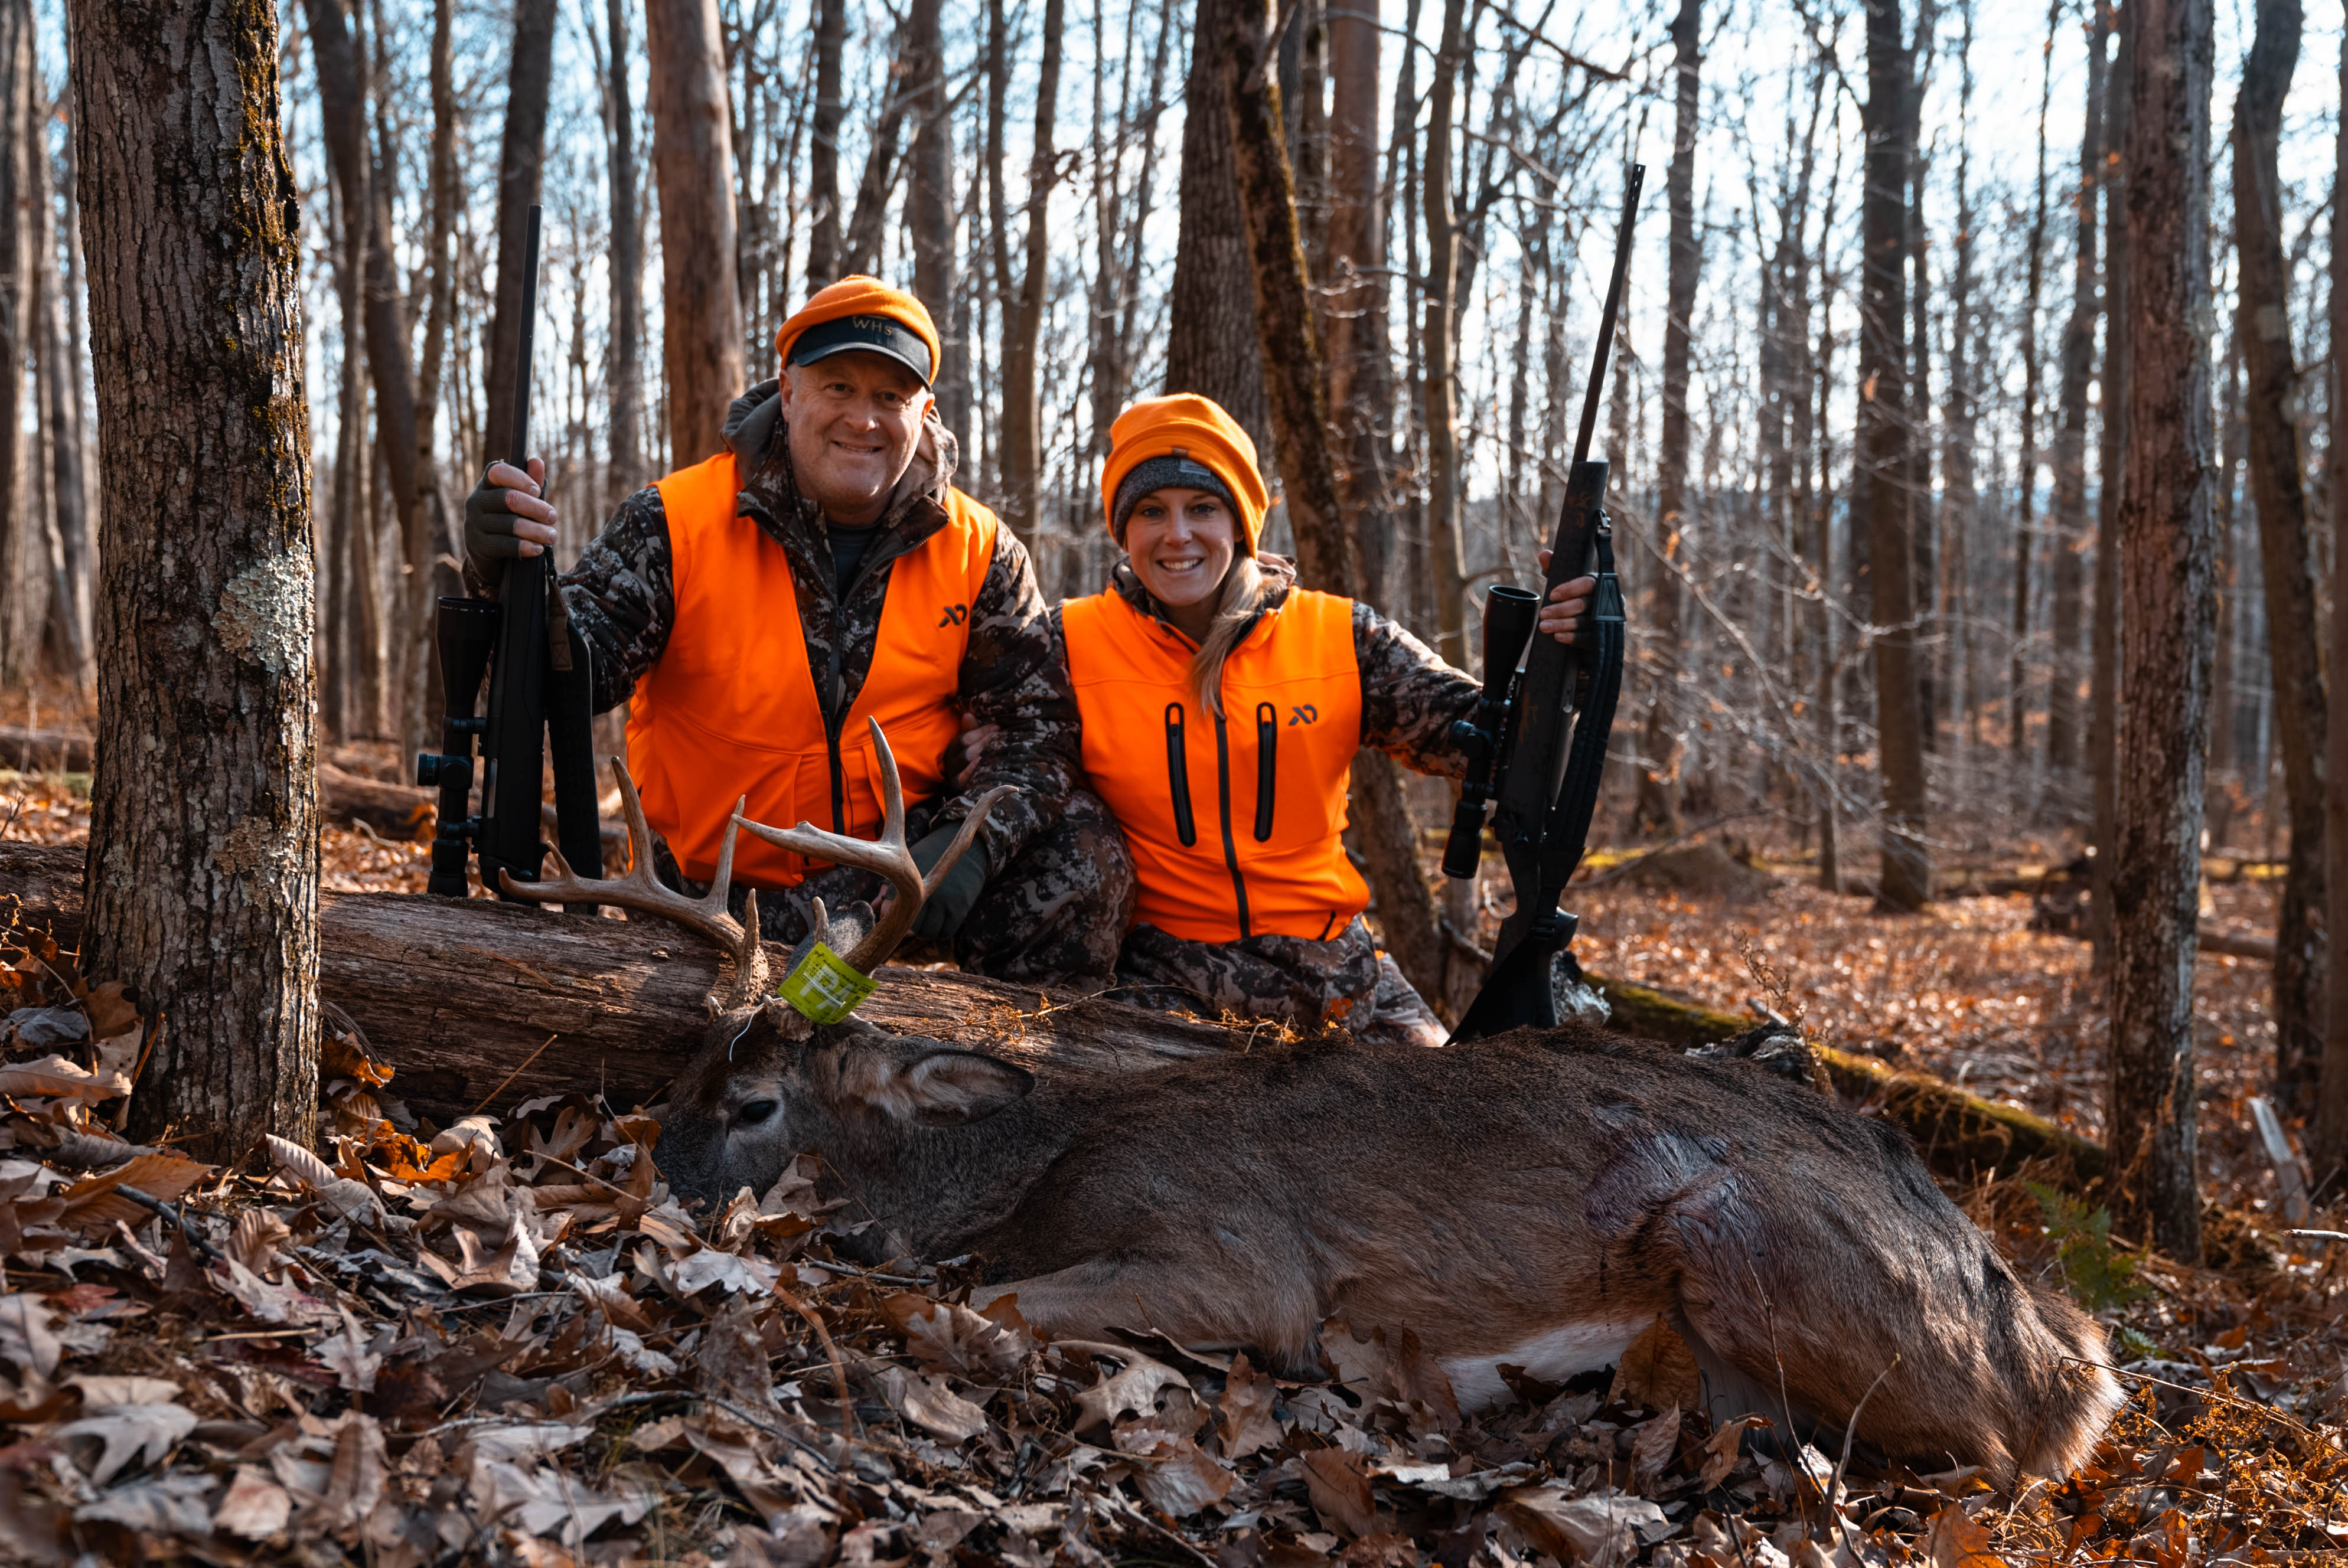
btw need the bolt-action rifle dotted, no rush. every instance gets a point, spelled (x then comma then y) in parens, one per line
(539, 688)
(1537, 742)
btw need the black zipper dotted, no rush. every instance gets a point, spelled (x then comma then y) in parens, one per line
(1230, 848)
(1267, 737)
(1178, 778)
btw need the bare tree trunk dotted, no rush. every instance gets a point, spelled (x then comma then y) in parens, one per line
(1658, 808)
(2120, 359)
(1325, 555)
(861, 252)
(1959, 432)
(440, 301)
(61, 419)
(1439, 389)
(1021, 500)
(1211, 335)
(2295, 640)
(2327, 1142)
(929, 202)
(2071, 438)
(1906, 878)
(203, 854)
(627, 370)
(692, 165)
(521, 159)
(823, 150)
(2225, 702)
(24, 579)
(2168, 544)
(1361, 368)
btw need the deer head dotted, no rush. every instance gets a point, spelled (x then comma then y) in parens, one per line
(727, 1126)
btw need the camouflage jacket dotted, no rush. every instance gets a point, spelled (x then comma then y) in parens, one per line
(620, 596)
(1410, 698)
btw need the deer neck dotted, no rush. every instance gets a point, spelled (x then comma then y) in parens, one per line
(940, 1190)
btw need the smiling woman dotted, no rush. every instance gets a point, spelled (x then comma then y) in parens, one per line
(1220, 707)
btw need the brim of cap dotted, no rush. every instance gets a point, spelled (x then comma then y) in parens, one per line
(826, 351)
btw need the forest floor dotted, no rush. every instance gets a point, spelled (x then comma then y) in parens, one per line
(501, 1341)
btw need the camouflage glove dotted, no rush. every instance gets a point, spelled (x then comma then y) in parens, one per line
(489, 540)
(944, 911)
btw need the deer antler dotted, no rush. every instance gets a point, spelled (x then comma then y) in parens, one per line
(639, 889)
(887, 855)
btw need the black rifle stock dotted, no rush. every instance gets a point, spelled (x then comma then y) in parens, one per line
(540, 687)
(1542, 745)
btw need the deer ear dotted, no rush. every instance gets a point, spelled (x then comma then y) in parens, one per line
(940, 1088)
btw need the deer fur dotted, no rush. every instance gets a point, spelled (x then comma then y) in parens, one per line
(1536, 1200)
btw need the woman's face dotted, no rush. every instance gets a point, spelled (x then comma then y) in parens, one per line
(1182, 543)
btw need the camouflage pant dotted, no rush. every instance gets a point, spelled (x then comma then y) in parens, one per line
(1051, 918)
(1310, 985)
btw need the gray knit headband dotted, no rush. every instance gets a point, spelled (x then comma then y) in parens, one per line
(1166, 472)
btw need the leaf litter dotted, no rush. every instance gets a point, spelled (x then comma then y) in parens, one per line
(504, 1341)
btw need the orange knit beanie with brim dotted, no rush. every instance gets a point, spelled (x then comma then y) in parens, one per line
(1193, 428)
(858, 295)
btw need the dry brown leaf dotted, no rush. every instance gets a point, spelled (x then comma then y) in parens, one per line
(1652, 1444)
(253, 1507)
(1338, 1482)
(27, 1336)
(1958, 1541)
(946, 1336)
(1603, 1526)
(1178, 1477)
(56, 1076)
(1249, 1425)
(1657, 1371)
(731, 1360)
(93, 1203)
(928, 1404)
(1721, 1450)
(1133, 1390)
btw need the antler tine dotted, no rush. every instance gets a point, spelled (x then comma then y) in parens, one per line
(962, 841)
(639, 889)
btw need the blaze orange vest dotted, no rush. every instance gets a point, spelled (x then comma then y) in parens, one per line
(1234, 822)
(731, 707)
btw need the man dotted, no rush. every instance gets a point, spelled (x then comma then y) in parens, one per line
(755, 608)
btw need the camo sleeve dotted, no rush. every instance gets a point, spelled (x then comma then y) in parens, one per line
(1410, 698)
(621, 596)
(1014, 678)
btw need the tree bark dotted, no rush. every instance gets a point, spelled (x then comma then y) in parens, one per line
(2025, 538)
(1212, 344)
(202, 862)
(440, 300)
(692, 165)
(24, 554)
(627, 367)
(2279, 494)
(862, 248)
(1658, 806)
(2119, 358)
(1361, 367)
(2078, 354)
(2327, 1143)
(929, 204)
(1438, 351)
(823, 151)
(1906, 878)
(2168, 547)
(1021, 500)
(59, 384)
(1325, 555)
(521, 159)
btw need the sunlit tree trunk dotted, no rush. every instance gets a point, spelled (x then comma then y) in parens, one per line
(627, 356)
(693, 167)
(2168, 539)
(1210, 337)
(203, 881)
(1021, 501)
(1658, 808)
(2327, 1132)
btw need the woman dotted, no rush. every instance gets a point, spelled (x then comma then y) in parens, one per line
(1221, 707)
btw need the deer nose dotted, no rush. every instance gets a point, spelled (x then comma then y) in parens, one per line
(753, 1112)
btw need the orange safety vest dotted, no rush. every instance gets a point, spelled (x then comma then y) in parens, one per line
(730, 708)
(1234, 822)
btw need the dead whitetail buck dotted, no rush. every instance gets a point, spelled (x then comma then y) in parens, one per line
(1534, 1201)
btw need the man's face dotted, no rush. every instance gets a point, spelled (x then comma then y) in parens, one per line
(854, 420)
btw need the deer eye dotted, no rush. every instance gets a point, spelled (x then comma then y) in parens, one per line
(754, 1112)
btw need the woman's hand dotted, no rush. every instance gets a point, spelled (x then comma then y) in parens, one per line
(964, 750)
(1569, 602)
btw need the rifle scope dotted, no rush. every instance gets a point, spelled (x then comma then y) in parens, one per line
(1509, 616)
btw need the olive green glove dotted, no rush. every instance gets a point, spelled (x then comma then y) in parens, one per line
(944, 911)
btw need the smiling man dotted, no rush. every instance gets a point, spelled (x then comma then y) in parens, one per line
(755, 608)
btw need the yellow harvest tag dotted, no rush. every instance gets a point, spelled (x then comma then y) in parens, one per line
(824, 987)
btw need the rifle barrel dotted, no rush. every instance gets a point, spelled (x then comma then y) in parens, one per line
(520, 455)
(1638, 178)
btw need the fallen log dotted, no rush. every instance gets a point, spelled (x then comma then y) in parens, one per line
(39, 750)
(481, 1003)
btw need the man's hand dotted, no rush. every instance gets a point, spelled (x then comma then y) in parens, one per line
(506, 516)
(1569, 602)
(964, 750)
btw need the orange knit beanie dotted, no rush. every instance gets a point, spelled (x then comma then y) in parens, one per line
(1187, 426)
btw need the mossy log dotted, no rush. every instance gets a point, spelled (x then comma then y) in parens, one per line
(1956, 1132)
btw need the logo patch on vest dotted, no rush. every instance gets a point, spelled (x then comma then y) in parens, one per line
(954, 616)
(1303, 713)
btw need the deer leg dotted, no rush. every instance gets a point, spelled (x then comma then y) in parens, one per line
(1093, 1299)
